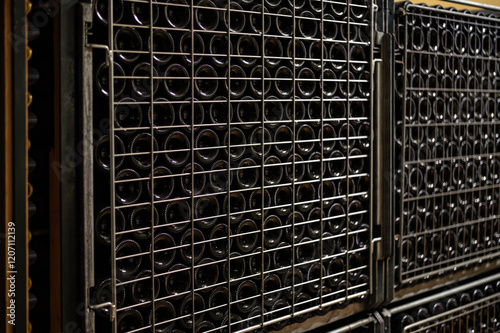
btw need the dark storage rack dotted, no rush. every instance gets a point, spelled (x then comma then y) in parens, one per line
(471, 307)
(255, 168)
(234, 182)
(446, 132)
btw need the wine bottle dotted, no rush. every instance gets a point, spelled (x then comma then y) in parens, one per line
(272, 174)
(247, 236)
(186, 246)
(129, 40)
(143, 74)
(186, 310)
(237, 203)
(238, 17)
(206, 144)
(306, 82)
(283, 81)
(235, 271)
(164, 251)
(102, 153)
(305, 139)
(256, 264)
(195, 185)
(260, 200)
(140, 150)
(257, 84)
(162, 115)
(206, 274)
(314, 277)
(192, 55)
(335, 272)
(282, 256)
(258, 13)
(308, 26)
(142, 14)
(206, 83)
(128, 190)
(162, 45)
(178, 13)
(163, 183)
(338, 53)
(128, 258)
(218, 303)
(236, 140)
(305, 195)
(283, 137)
(272, 289)
(142, 220)
(292, 281)
(219, 46)
(305, 250)
(284, 23)
(248, 50)
(164, 316)
(247, 174)
(295, 227)
(103, 294)
(247, 112)
(219, 241)
(206, 211)
(129, 320)
(176, 81)
(315, 218)
(102, 79)
(177, 216)
(237, 78)
(178, 281)
(258, 137)
(273, 51)
(103, 225)
(206, 16)
(246, 296)
(101, 10)
(141, 289)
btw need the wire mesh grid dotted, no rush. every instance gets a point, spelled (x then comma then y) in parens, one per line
(447, 160)
(239, 165)
(475, 310)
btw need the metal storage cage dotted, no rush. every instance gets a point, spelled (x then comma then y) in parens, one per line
(472, 307)
(447, 154)
(231, 186)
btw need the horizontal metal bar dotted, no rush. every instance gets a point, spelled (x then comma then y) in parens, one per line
(443, 294)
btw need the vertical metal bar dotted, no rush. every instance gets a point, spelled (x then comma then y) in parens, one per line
(88, 166)
(262, 171)
(193, 303)
(294, 84)
(111, 96)
(348, 145)
(229, 165)
(321, 140)
(152, 176)
(372, 157)
(403, 156)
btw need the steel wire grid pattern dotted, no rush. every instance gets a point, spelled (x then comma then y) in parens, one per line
(476, 310)
(239, 162)
(448, 143)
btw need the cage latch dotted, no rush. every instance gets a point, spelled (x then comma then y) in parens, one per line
(87, 33)
(112, 308)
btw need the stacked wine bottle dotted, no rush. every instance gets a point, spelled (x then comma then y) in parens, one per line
(470, 310)
(448, 143)
(240, 173)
